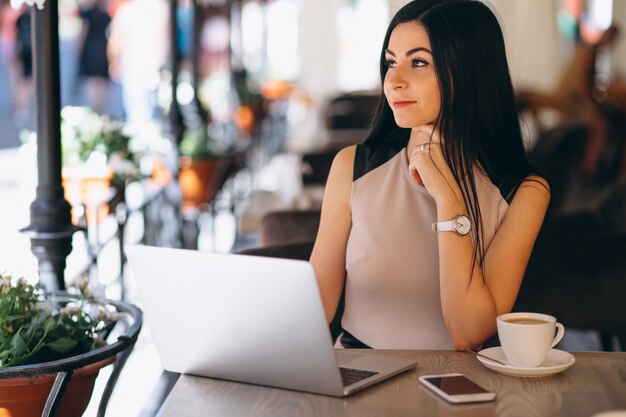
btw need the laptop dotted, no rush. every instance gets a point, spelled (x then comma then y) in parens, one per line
(249, 319)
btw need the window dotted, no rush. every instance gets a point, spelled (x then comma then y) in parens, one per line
(361, 26)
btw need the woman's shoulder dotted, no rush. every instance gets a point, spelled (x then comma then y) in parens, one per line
(342, 166)
(533, 188)
(536, 184)
(344, 159)
(346, 155)
(537, 179)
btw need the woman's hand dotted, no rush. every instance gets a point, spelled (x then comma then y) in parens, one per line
(428, 167)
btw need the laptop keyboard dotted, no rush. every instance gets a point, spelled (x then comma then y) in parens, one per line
(349, 376)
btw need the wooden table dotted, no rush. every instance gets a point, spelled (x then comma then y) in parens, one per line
(595, 383)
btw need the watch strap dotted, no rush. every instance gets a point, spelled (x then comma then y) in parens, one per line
(444, 226)
(460, 225)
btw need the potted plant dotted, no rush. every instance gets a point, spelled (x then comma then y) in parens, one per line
(204, 163)
(40, 331)
(96, 154)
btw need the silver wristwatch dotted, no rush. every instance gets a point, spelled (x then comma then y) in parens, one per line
(460, 225)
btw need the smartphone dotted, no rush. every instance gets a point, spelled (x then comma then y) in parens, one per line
(456, 388)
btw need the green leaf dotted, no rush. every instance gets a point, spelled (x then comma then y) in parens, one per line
(17, 344)
(62, 345)
(5, 355)
(49, 324)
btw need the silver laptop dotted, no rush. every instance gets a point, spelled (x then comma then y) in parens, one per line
(248, 319)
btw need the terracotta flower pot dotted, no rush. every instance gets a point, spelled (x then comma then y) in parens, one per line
(88, 187)
(26, 397)
(196, 178)
(245, 118)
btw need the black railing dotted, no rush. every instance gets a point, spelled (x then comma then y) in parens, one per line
(158, 207)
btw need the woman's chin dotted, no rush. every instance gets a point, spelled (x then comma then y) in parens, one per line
(410, 124)
(404, 124)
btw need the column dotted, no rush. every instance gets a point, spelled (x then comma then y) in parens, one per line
(50, 226)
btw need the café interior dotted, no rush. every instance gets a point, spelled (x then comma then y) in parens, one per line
(223, 144)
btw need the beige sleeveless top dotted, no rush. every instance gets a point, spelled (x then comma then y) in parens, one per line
(392, 295)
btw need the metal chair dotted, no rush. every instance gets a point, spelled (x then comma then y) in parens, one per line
(289, 226)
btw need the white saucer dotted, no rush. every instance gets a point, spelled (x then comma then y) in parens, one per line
(556, 361)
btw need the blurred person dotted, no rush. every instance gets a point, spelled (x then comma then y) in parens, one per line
(615, 101)
(8, 17)
(7, 41)
(24, 60)
(113, 5)
(138, 49)
(93, 61)
(5, 54)
(429, 223)
(575, 97)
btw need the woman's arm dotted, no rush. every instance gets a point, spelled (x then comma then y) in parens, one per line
(469, 307)
(329, 252)
(472, 298)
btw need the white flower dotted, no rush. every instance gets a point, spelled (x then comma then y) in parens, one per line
(114, 315)
(94, 291)
(46, 305)
(5, 283)
(121, 165)
(94, 311)
(70, 310)
(81, 282)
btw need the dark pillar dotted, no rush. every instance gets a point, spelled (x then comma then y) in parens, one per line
(50, 226)
(195, 59)
(234, 13)
(176, 125)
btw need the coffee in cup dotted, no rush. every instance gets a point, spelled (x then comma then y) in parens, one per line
(526, 338)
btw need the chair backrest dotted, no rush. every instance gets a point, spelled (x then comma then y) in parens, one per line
(611, 208)
(578, 273)
(316, 165)
(556, 155)
(351, 110)
(289, 226)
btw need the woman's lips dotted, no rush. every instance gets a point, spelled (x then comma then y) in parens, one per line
(401, 103)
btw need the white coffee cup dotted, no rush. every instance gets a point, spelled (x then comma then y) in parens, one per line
(526, 338)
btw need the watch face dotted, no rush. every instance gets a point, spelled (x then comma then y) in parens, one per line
(462, 225)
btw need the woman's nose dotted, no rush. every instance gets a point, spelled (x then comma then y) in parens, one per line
(395, 80)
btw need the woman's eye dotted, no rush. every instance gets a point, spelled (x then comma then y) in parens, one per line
(416, 63)
(390, 64)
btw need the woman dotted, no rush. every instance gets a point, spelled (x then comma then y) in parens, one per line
(445, 145)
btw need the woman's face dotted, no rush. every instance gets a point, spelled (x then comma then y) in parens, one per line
(411, 84)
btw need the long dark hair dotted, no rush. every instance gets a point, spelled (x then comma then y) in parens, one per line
(478, 119)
